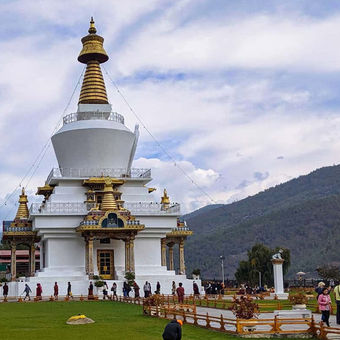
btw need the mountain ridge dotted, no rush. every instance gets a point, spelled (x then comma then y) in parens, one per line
(287, 215)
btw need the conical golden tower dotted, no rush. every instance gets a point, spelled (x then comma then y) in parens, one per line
(93, 90)
(22, 212)
(109, 202)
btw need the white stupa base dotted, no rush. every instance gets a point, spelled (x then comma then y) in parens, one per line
(80, 287)
(280, 296)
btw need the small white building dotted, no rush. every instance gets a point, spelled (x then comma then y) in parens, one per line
(98, 217)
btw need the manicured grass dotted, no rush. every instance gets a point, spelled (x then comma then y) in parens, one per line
(113, 320)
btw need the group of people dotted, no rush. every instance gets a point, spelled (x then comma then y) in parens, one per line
(325, 302)
(179, 291)
(212, 288)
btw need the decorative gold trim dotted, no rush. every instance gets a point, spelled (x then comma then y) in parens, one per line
(179, 233)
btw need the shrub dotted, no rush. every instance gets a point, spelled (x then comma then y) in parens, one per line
(130, 277)
(243, 307)
(298, 299)
(99, 283)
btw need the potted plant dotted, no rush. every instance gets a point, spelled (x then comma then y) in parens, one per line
(244, 308)
(196, 274)
(298, 300)
(99, 284)
(130, 278)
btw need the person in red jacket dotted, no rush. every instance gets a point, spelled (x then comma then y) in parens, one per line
(39, 291)
(180, 293)
(56, 290)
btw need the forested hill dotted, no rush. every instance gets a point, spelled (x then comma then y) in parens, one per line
(302, 215)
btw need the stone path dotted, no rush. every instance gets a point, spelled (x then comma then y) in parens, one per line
(228, 314)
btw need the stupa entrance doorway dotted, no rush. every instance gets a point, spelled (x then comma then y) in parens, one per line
(105, 263)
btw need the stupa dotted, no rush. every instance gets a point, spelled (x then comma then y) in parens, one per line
(98, 217)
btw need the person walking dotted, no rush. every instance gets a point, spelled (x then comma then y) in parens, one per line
(126, 289)
(90, 297)
(158, 288)
(146, 289)
(173, 288)
(114, 290)
(105, 291)
(69, 290)
(337, 300)
(173, 330)
(27, 291)
(136, 289)
(180, 293)
(39, 291)
(324, 302)
(319, 289)
(5, 291)
(56, 290)
(196, 289)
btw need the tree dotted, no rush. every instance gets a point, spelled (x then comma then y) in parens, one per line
(329, 272)
(259, 261)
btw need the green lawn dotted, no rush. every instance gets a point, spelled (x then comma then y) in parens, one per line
(113, 320)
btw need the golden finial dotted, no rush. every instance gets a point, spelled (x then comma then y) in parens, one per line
(92, 29)
(109, 202)
(22, 212)
(93, 90)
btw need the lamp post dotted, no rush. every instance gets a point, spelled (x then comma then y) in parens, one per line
(260, 283)
(222, 258)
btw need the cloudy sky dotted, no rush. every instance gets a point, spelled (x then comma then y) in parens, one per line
(243, 94)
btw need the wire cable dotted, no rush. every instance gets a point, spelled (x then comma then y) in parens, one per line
(37, 161)
(156, 141)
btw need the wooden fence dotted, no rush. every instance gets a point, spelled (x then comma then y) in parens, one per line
(269, 326)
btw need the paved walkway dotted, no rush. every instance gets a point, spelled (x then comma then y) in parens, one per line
(228, 314)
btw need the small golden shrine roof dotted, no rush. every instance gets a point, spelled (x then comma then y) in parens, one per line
(109, 202)
(22, 212)
(46, 189)
(165, 198)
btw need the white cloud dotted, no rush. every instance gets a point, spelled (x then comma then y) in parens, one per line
(269, 41)
(219, 104)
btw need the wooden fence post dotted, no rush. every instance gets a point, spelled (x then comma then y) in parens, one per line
(323, 333)
(312, 328)
(184, 316)
(275, 326)
(195, 319)
(239, 327)
(207, 321)
(222, 323)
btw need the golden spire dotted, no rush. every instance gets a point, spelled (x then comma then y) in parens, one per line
(22, 212)
(165, 201)
(108, 202)
(93, 90)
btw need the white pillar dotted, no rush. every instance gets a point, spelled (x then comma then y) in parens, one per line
(278, 278)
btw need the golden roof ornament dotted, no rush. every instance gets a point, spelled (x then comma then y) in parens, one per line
(22, 212)
(165, 200)
(109, 202)
(93, 90)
